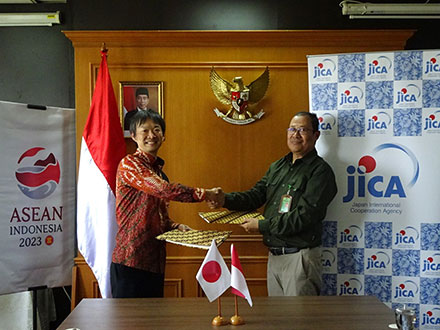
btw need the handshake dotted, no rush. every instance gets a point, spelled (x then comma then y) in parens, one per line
(215, 197)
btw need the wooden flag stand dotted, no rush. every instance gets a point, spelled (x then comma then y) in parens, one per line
(219, 320)
(236, 319)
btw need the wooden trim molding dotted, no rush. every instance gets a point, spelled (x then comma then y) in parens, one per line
(95, 289)
(74, 299)
(264, 38)
(197, 260)
(176, 285)
(251, 282)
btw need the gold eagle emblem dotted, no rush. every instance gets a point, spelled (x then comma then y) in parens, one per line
(241, 97)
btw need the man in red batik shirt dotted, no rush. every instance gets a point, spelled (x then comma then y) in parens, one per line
(142, 195)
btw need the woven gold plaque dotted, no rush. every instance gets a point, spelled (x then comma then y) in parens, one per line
(200, 239)
(229, 217)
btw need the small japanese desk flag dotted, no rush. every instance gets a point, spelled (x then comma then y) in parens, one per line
(213, 275)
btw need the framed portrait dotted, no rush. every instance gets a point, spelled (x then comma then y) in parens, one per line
(135, 96)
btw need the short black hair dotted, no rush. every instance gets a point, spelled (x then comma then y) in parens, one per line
(313, 119)
(142, 116)
(143, 91)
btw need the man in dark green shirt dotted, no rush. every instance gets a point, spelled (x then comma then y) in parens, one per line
(296, 191)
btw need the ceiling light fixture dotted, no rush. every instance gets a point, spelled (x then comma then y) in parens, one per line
(358, 9)
(29, 19)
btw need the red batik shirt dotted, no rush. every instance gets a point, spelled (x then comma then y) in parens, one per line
(142, 195)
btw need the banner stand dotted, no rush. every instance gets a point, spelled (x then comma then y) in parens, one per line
(34, 290)
(382, 231)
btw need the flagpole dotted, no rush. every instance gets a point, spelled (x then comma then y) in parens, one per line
(236, 319)
(219, 320)
(219, 307)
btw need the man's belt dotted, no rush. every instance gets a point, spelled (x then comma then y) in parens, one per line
(277, 251)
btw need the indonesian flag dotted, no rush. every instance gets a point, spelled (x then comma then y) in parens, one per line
(238, 282)
(102, 147)
(213, 275)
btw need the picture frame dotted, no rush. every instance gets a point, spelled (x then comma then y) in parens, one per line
(133, 95)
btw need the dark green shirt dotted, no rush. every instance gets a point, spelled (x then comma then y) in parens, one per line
(312, 187)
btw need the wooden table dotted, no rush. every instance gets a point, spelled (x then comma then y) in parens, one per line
(315, 313)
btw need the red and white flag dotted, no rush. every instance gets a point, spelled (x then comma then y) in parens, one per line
(102, 147)
(213, 275)
(238, 282)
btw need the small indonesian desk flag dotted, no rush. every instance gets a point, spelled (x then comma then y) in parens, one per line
(238, 282)
(213, 275)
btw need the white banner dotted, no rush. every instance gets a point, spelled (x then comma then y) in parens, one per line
(37, 197)
(379, 118)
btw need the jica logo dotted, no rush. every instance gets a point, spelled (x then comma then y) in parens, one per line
(381, 65)
(351, 96)
(326, 68)
(408, 235)
(407, 289)
(432, 65)
(432, 264)
(378, 186)
(379, 260)
(327, 258)
(352, 234)
(431, 317)
(326, 122)
(38, 174)
(432, 121)
(409, 94)
(381, 121)
(351, 287)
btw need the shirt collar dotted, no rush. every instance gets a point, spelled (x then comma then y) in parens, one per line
(307, 158)
(151, 159)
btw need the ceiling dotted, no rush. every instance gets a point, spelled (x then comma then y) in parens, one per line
(30, 1)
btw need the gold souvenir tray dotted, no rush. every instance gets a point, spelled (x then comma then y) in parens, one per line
(200, 239)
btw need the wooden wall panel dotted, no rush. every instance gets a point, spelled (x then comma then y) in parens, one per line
(201, 149)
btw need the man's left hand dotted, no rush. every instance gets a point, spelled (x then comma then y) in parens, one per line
(183, 227)
(250, 225)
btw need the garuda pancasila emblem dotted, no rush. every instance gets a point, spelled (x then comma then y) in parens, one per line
(241, 98)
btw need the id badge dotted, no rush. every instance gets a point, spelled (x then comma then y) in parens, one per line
(286, 201)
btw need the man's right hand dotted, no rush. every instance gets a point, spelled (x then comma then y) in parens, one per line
(215, 197)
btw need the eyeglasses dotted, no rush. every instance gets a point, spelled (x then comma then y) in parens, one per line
(300, 130)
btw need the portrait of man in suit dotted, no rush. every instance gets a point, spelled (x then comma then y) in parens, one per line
(139, 96)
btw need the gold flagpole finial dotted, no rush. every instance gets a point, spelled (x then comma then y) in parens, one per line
(104, 48)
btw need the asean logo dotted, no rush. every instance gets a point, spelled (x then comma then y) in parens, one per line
(37, 177)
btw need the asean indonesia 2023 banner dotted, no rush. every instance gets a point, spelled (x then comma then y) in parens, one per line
(379, 118)
(37, 197)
